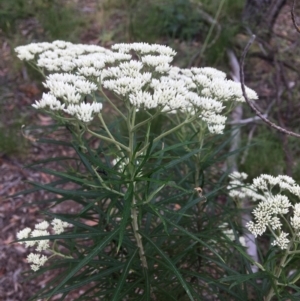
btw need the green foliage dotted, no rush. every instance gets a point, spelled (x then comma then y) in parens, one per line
(176, 19)
(11, 12)
(60, 21)
(183, 246)
(55, 21)
(11, 140)
(12, 143)
(265, 155)
(212, 24)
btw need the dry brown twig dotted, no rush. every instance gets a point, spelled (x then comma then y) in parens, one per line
(249, 102)
(293, 17)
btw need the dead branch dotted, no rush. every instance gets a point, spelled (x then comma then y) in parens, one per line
(250, 103)
(293, 16)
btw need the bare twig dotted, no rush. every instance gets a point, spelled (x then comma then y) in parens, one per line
(252, 106)
(246, 121)
(293, 17)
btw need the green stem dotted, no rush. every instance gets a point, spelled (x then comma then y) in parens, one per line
(104, 185)
(60, 255)
(113, 105)
(108, 131)
(288, 224)
(113, 141)
(175, 128)
(198, 155)
(188, 120)
(278, 270)
(146, 121)
(294, 252)
(134, 209)
(34, 66)
(211, 28)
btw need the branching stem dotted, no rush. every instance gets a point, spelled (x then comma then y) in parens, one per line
(113, 141)
(252, 106)
(278, 270)
(134, 209)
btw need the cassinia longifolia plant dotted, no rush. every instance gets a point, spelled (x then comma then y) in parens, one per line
(277, 213)
(131, 181)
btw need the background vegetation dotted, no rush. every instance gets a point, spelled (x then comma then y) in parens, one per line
(201, 31)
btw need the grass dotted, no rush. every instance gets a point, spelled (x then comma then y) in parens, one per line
(266, 154)
(50, 19)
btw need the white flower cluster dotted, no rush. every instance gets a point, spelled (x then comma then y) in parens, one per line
(40, 229)
(70, 88)
(208, 89)
(270, 211)
(240, 190)
(146, 82)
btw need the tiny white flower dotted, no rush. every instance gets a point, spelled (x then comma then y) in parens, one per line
(48, 101)
(24, 54)
(42, 226)
(41, 244)
(37, 260)
(282, 241)
(59, 225)
(24, 233)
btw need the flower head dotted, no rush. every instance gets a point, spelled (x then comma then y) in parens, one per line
(147, 82)
(37, 261)
(40, 230)
(270, 211)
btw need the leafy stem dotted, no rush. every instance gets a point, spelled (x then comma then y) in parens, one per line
(134, 210)
(186, 121)
(279, 269)
(108, 139)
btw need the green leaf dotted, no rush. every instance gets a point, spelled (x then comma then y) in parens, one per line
(147, 285)
(156, 211)
(239, 278)
(173, 147)
(67, 176)
(181, 159)
(49, 160)
(242, 251)
(195, 238)
(124, 276)
(70, 193)
(88, 280)
(125, 214)
(86, 260)
(153, 194)
(172, 267)
(57, 142)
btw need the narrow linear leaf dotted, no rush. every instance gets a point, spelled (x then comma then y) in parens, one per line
(181, 159)
(126, 214)
(73, 193)
(153, 194)
(147, 285)
(124, 276)
(85, 261)
(195, 238)
(88, 280)
(173, 146)
(66, 176)
(172, 266)
(58, 142)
